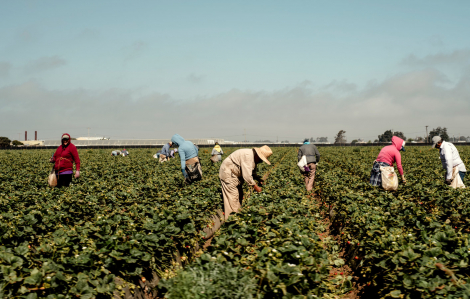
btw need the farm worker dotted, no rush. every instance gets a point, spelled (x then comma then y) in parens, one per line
(450, 158)
(387, 156)
(217, 151)
(115, 153)
(173, 152)
(239, 166)
(312, 154)
(124, 152)
(188, 155)
(165, 152)
(157, 155)
(63, 159)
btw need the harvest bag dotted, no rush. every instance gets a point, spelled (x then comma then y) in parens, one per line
(52, 179)
(194, 170)
(302, 163)
(215, 158)
(456, 179)
(389, 178)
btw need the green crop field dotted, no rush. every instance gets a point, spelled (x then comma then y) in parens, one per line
(129, 226)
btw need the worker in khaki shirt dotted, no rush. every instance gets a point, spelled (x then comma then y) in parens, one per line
(238, 167)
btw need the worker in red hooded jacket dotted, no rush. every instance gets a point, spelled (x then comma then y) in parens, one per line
(63, 159)
(388, 155)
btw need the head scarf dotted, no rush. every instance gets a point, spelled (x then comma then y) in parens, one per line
(217, 148)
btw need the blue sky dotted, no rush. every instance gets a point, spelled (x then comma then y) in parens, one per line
(119, 57)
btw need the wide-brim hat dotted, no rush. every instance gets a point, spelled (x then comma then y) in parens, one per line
(435, 141)
(264, 153)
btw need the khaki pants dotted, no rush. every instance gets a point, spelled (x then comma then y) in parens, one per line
(309, 177)
(162, 158)
(232, 192)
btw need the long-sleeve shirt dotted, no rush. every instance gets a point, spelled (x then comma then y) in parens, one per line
(166, 150)
(186, 149)
(450, 158)
(64, 157)
(242, 164)
(391, 154)
(310, 151)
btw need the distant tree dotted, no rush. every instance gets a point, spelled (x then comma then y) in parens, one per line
(340, 137)
(4, 142)
(354, 141)
(387, 136)
(439, 132)
(376, 140)
(419, 139)
(16, 142)
(369, 141)
(322, 139)
(410, 140)
(312, 140)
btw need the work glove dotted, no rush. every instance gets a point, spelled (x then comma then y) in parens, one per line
(448, 182)
(257, 189)
(306, 168)
(77, 174)
(184, 173)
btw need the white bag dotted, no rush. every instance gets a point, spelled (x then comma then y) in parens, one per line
(389, 178)
(456, 179)
(302, 163)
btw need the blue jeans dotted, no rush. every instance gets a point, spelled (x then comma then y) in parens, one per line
(462, 174)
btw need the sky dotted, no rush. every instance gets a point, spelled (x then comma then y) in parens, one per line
(277, 70)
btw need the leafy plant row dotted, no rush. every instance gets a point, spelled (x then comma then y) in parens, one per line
(274, 242)
(413, 243)
(123, 218)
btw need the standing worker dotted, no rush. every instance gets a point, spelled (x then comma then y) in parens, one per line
(190, 165)
(63, 159)
(450, 158)
(312, 154)
(239, 166)
(388, 155)
(165, 152)
(217, 153)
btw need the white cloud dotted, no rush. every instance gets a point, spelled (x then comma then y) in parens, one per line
(4, 69)
(44, 63)
(406, 100)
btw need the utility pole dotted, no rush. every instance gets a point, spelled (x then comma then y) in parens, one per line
(245, 135)
(427, 136)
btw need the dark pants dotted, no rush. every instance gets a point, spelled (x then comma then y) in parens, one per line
(64, 180)
(462, 174)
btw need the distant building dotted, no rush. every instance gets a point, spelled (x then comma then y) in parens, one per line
(92, 138)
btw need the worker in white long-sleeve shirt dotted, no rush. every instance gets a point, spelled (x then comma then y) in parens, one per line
(450, 158)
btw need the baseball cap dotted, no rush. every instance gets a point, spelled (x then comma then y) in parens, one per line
(435, 140)
(65, 136)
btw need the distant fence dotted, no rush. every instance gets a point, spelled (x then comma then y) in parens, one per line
(244, 145)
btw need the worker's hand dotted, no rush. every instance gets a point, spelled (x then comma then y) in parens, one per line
(77, 174)
(448, 182)
(257, 189)
(184, 173)
(261, 181)
(403, 179)
(51, 160)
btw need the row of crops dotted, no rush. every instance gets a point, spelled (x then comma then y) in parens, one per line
(128, 221)
(413, 243)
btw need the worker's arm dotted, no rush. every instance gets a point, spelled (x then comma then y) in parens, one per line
(317, 155)
(247, 169)
(299, 155)
(183, 162)
(449, 161)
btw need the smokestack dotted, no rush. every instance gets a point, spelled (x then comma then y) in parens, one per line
(25, 135)
(35, 135)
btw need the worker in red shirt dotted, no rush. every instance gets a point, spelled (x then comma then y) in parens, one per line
(63, 159)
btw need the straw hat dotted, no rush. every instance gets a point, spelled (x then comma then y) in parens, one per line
(264, 153)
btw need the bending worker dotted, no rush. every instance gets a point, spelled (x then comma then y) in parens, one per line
(165, 152)
(450, 158)
(189, 158)
(388, 155)
(312, 154)
(218, 152)
(239, 166)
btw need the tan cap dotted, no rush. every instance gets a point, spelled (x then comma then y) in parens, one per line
(264, 153)
(65, 136)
